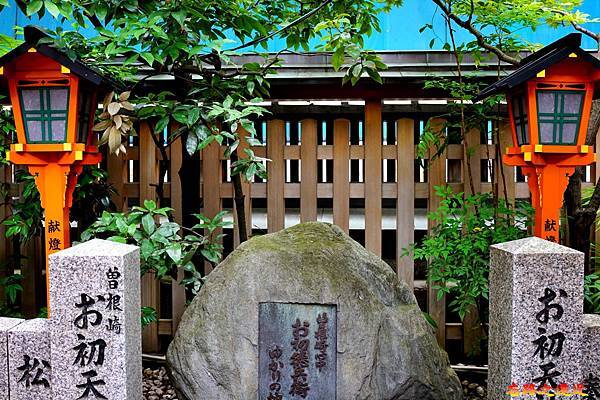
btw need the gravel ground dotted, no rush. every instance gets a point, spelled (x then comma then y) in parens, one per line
(158, 387)
(473, 391)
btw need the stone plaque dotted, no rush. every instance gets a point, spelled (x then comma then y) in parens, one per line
(297, 346)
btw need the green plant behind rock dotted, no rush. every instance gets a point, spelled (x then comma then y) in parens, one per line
(592, 293)
(457, 246)
(165, 246)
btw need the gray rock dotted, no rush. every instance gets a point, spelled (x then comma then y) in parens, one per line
(385, 350)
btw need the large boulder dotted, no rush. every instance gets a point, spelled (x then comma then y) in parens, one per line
(385, 348)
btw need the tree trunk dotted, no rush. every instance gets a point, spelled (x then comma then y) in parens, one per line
(189, 172)
(190, 187)
(239, 198)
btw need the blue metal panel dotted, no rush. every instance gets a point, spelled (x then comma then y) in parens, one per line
(400, 28)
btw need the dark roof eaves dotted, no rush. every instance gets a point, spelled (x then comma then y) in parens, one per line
(531, 68)
(76, 66)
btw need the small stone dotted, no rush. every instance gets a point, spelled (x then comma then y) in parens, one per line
(480, 391)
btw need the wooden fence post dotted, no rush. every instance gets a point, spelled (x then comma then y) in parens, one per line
(502, 169)
(341, 174)
(308, 183)
(437, 177)
(405, 201)
(471, 323)
(117, 175)
(148, 177)
(212, 182)
(33, 291)
(373, 175)
(247, 189)
(276, 175)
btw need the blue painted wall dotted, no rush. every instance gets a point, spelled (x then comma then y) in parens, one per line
(400, 28)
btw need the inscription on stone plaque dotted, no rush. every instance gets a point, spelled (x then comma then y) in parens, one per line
(297, 351)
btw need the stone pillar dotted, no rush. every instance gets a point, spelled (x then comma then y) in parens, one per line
(29, 361)
(591, 346)
(6, 324)
(96, 327)
(536, 308)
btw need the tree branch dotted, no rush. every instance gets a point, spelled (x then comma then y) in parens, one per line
(577, 27)
(295, 22)
(468, 25)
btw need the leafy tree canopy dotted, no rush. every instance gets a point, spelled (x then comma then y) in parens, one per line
(195, 40)
(496, 25)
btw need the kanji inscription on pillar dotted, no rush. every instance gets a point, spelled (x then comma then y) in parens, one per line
(297, 351)
(96, 341)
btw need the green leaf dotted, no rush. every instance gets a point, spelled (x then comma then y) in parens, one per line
(179, 17)
(175, 253)
(338, 58)
(191, 143)
(101, 11)
(148, 57)
(193, 116)
(117, 239)
(148, 224)
(52, 8)
(161, 125)
(34, 6)
(374, 74)
(150, 205)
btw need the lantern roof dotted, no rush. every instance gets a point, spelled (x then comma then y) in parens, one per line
(34, 34)
(540, 60)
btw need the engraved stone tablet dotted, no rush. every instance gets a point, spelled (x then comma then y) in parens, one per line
(297, 351)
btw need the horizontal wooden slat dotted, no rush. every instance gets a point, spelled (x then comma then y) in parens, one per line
(132, 189)
(357, 152)
(165, 327)
(454, 331)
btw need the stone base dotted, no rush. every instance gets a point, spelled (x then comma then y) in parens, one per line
(6, 324)
(29, 360)
(591, 345)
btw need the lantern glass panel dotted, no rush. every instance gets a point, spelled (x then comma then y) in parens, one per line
(519, 107)
(45, 111)
(559, 115)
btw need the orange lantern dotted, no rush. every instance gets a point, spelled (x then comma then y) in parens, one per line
(549, 104)
(54, 100)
